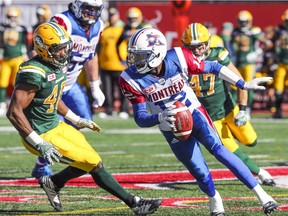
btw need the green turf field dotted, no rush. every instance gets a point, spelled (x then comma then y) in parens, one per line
(125, 148)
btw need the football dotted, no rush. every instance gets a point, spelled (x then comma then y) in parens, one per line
(184, 121)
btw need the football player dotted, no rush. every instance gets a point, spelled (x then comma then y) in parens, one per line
(281, 74)
(33, 112)
(82, 22)
(154, 80)
(134, 22)
(229, 119)
(246, 49)
(13, 51)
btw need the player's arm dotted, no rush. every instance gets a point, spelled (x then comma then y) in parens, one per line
(226, 74)
(242, 94)
(92, 69)
(75, 119)
(241, 118)
(21, 98)
(138, 101)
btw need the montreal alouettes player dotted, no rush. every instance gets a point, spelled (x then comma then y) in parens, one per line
(155, 79)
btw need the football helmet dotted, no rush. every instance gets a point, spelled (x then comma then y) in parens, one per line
(52, 43)
(244, 20)
(134, 17)
(196, 37)
(87, 11)
(12, 15)
(43, 12)
(146, 49)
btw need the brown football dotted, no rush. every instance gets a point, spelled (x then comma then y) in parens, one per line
(184, 121)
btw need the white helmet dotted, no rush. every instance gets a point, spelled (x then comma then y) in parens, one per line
(84, 9)
(146, 49)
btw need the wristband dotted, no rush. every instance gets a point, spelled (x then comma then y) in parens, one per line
(34, 138)
(242, 107)
(71, 116)
(240, 84)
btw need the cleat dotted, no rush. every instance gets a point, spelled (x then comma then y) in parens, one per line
(52, 192)
(145, 206)
(268, 182)
(39, 171)
(269, 207)
(218, 214)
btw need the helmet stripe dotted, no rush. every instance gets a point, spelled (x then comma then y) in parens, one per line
(59, 30)
(194, 31)
(135, 37)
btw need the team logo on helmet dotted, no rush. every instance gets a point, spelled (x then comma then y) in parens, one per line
(153, 40)
(39, 41)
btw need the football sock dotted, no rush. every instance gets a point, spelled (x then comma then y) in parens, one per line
(247, 161)
(59, 179)
(262, 196)
(250, 98)
(106, 181)
(216, 204)
(3, 93)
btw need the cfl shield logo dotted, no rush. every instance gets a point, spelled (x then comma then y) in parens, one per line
(153, 40)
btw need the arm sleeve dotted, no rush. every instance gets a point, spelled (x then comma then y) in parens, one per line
(224, 73)
(142, 118)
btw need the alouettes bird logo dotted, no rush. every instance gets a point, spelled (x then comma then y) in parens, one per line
(153, 40)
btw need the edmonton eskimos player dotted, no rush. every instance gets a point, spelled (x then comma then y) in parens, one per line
(83, 23)
(33, 110)
(230, 119)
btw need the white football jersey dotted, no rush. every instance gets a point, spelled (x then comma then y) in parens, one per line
(84, 44)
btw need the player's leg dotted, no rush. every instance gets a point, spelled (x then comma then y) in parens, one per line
(247, 136)
(279, 86)
(5, 73)
(188, 152)
(108, 90)
(82, 158)
(248, 73)
(205, 133)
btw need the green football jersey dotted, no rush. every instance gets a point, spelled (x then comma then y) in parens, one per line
(50, 80)
(211, 90)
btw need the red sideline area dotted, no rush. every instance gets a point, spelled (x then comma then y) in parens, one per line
(130, 180)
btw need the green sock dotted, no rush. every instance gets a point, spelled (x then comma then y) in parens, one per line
(247, 161)
(250, 98)
(65, 175)
(106, 181)
(3, 92)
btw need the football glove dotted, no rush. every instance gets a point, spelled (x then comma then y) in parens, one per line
(86, 123)
(48, 152)
(166, 116)
(254, 84)
(241, 118)
(81, 122)
(97, 94)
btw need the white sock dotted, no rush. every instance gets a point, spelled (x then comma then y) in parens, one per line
(216, 204)
(262, 196)
(263, 174)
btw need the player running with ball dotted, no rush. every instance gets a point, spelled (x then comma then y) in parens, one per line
(155, 79)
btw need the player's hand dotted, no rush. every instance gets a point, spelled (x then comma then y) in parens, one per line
(97, 94)
(254, 84)
(86, 123)
(241, 118)
(48, 152)
(167, 116)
